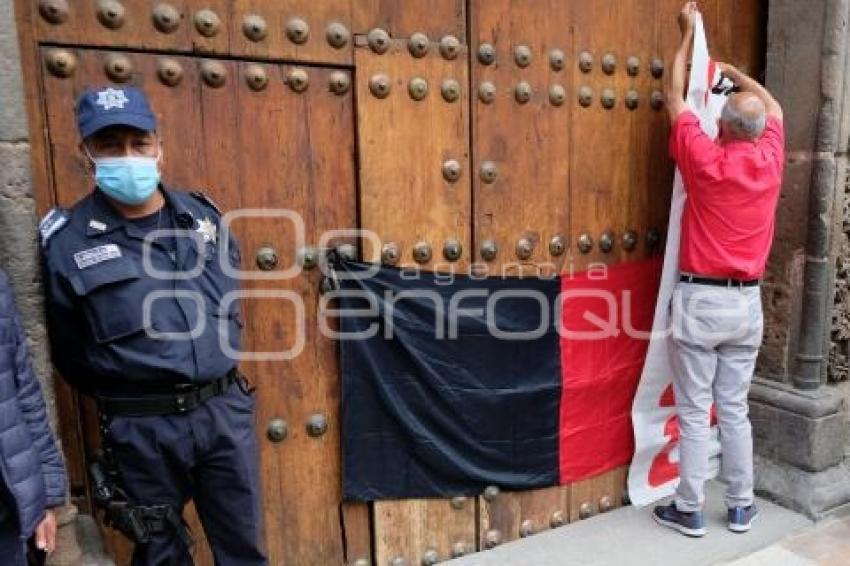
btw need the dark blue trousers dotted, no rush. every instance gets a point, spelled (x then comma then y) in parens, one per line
(209, 455)
(11, 545)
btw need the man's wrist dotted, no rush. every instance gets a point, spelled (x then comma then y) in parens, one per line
(732, 73)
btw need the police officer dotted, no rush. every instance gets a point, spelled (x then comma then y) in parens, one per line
(142, 316)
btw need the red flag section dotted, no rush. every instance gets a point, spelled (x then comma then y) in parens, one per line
(606, 315)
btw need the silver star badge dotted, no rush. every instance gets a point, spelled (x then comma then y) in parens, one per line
(112, 98)
(207, 229)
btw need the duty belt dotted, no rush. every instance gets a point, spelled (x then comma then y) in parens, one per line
(183, 398)
(719, 282)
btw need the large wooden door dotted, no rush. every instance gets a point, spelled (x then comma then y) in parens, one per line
(506, 135)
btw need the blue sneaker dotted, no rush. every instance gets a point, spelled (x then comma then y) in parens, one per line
(741, 518)
(690, 524)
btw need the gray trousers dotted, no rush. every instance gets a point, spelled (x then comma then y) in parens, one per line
(716, 334)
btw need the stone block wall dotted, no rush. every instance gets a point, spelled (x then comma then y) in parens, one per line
(839, 354)
(18, 243)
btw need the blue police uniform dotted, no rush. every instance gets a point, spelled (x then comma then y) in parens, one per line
(98, 281)
(149, 328)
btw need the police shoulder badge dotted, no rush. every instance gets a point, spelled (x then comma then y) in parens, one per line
(51, 223)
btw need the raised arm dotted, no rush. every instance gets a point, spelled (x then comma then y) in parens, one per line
(675, 92)
(750, 85)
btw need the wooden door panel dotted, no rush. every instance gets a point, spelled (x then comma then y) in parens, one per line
(358, 534)
(224, 27)
(275, 149)
(416, 529)
(528, 200)
(599, 494)
(405, 199)
(512, 515)
(609, 172)
(301, 159)
(528, 144)
(403, 146)
(735, 29)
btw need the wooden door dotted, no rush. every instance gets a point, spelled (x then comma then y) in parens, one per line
(507, 135)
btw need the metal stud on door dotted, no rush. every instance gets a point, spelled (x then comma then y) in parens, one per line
(111, 14)
(418, 45)
(53, 11)
(166, 18)
(390, 254)
(254, 27)
(61, 62)
(337, 35)
(169, 71)
(207, 23)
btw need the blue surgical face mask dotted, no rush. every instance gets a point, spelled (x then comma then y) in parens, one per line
(129, 180)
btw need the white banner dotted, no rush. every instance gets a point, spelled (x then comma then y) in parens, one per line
(654, 472)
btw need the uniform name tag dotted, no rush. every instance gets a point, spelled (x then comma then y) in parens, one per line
(93, 256)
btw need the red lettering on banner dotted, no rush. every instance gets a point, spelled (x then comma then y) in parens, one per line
(663, 470)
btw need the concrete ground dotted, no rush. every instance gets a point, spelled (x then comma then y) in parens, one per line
(90, 542)
(629, 536)
(825, 544)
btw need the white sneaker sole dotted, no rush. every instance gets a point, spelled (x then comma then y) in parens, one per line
(680, 528)
(736, 528)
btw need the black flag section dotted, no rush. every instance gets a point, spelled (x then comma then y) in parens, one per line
(440, 401)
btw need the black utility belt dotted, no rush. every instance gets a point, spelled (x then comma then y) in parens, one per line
(719, 282)
(182, 399)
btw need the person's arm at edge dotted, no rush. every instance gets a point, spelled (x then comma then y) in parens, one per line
(34, 411)
(674, 94)
(751, 85)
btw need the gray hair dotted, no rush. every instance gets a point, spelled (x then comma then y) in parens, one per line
(746, 126)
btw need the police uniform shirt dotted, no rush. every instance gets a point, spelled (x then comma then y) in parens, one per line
(98, 290)
(159, 226)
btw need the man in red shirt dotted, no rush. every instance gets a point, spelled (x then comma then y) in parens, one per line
(732, 186)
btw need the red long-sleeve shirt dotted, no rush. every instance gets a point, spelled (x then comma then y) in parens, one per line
(733, 189)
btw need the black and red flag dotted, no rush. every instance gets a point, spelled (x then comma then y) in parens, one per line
(451, 383)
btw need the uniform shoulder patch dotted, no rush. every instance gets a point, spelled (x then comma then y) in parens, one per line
(52, 222)
(206, 200)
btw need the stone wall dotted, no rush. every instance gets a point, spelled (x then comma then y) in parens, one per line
(839, 354)
(799, 430)
(18, 247)
(793, 76)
